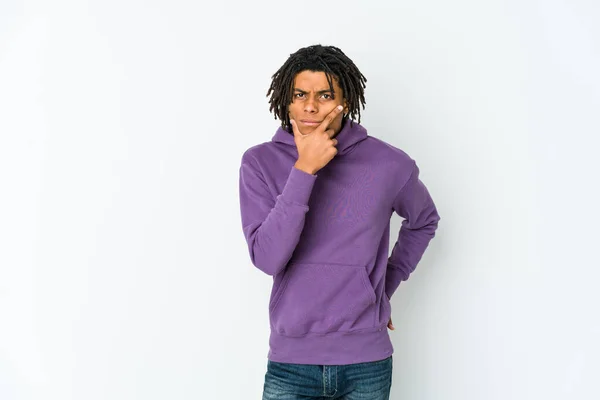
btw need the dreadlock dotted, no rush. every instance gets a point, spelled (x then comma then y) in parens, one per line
(328, 59)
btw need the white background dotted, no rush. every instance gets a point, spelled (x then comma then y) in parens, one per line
(124, 273)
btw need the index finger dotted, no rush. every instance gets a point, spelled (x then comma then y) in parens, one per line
(330, 117)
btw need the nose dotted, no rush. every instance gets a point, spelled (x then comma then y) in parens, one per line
(310, 105)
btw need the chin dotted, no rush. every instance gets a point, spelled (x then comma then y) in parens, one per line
(307, 129)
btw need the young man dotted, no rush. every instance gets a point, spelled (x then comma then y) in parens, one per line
(316, 203)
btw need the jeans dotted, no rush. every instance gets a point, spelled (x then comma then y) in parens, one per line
(364, 381)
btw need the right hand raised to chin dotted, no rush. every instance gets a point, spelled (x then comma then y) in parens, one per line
(317, 148)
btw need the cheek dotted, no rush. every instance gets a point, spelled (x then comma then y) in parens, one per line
(292, 109)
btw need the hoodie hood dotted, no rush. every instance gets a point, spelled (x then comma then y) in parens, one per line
(350, 134)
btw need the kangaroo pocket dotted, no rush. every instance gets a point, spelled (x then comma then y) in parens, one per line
(322, 298)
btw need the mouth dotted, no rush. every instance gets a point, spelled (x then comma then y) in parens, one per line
(310, 122)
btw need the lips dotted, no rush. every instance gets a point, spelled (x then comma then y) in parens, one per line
(310, 122)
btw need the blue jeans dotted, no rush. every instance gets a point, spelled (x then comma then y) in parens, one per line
(364, 381)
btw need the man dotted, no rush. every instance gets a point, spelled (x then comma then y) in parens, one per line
(316, 203)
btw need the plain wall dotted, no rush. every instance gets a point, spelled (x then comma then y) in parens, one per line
(124, 273)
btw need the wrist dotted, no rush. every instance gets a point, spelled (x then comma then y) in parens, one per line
(305, 168)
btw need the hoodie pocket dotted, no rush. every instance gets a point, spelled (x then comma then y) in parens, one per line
(322, 298)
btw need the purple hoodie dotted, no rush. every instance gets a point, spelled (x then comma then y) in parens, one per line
(325, 240)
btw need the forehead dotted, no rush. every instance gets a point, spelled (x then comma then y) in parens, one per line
(314, 80)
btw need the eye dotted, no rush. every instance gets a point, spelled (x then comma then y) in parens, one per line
(297, 95)
(326, 96)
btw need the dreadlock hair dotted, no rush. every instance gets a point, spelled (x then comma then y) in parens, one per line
(317, 58)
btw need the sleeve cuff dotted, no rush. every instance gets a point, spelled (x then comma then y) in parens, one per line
(298, 186)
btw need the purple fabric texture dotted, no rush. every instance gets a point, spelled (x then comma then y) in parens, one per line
(324, 239)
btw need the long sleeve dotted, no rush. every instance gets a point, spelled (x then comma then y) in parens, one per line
(272, 226)
(416, 206)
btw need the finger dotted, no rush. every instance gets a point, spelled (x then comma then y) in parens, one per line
(330, 133)
(295, 128)
(330, 117)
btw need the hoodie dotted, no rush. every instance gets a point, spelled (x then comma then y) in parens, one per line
(324, 238)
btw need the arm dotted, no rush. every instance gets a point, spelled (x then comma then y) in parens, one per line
(416, 206)
(272, 227)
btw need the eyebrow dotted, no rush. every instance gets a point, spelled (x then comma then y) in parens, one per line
(319, 92)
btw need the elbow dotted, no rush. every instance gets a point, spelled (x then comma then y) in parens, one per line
(426, 224)
(266, 263)
(267, 252)
(432, 221)
(261, 251)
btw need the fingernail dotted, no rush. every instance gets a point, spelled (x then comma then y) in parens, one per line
(340, 107)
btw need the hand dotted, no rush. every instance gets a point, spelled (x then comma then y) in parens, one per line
(317, 148)
(390, 325)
